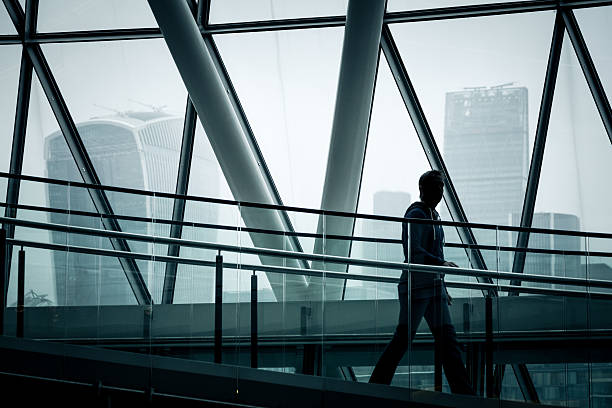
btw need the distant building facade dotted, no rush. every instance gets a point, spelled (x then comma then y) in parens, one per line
(486, 150)
(558, 264)
(137, 150)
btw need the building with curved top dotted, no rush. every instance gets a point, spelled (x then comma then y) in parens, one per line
(138, 150)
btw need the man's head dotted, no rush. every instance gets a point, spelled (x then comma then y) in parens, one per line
(431, 187)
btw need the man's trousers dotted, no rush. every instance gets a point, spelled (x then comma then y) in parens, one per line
(435, 310)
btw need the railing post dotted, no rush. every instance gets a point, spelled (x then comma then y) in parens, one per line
(20, 292)
(254, 342)
(218, 307)
(146, 321)
(489, 345)
(438, 347)
(3, 283)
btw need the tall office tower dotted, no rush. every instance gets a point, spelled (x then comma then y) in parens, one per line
(393, 204)
(137, 150)
(486, 150)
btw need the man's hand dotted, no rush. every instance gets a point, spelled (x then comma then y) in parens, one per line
(448, 263)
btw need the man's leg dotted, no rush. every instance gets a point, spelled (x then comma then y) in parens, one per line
(395, 350)
(438, 318)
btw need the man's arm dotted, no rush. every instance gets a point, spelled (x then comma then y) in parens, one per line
(418, 253)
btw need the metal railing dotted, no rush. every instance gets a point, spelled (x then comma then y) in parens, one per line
(585, 287)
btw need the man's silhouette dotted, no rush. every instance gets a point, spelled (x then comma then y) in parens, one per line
(428, 296)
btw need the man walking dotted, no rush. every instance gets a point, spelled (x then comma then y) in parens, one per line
(428, 296)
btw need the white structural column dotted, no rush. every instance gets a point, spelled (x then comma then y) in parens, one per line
(215, 111)
(358, 68)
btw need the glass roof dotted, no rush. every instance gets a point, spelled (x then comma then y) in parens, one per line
(478, 80)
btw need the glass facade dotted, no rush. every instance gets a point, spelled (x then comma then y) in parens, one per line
(109, 103)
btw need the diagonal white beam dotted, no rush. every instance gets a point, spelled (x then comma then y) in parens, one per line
(218, 117)
(358, 67)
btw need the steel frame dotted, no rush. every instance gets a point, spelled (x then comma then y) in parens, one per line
(182, 184)
(32, 56)
(588, 68)
(537, 155)
(442, 13)
(19, 128)
(178, 210)
(349, 133)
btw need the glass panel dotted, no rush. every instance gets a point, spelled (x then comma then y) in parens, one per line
(401, 5)
(195, 284)
(39, 263)
(577, 156)
(231, 11)
(130, 117)
(292, 119)
(561, 327)
(10, 60)
(47, 155)
(78, 15)
(129, 102)
(600, 268)
(481, 95)
(6, 24)
(601, 384)
(595, 27)
(558, 253)
(600, 260)
(454, 251)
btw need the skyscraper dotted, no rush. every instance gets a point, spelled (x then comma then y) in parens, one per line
(136, 150)
(486, 150)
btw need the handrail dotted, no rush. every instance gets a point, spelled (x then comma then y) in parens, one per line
(158, 194)
(299, 234)
(290, 254)
(249, 268)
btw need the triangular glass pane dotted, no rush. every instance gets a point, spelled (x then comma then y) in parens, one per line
(394, 161)
(578, 155)
(10, 60)
(6, 24)
(394, 158)
(66, 278)
(232, 11)
(78, 15)
(128, 101)
(286, 82)
(480, 81)
(596, 27)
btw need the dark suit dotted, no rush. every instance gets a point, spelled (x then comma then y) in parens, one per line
(428, 298)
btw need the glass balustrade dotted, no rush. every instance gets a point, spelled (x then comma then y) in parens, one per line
(246, 286)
